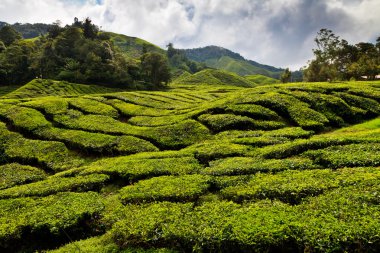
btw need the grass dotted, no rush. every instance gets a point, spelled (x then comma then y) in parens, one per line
(212, 165)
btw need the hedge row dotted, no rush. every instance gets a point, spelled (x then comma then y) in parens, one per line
(54, 185)
(46, 220)
(15, 174)
(326, 223)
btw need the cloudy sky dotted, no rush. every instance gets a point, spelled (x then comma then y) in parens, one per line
(274, 32)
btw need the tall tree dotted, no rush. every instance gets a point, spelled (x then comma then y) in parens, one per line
(9, 35)
(90, 30)
(155, 68)
(286, 76)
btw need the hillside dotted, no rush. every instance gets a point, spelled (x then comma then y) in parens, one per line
(132, 47)
(221, 58)
(205, 168)
(43, 88)
(261, 80)
(213, 77)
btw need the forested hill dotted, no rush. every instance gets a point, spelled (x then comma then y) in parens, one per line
(28, 30)
(222, 58)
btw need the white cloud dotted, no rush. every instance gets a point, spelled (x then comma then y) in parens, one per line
(275, 32)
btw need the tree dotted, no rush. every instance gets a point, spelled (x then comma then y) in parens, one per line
(286, 76)
(171, 50)
(90, 30)
(2, 46)
(15, 63)
(336, 59)
(155, 68)
(330, 61)
(9, 35)
(55, 29)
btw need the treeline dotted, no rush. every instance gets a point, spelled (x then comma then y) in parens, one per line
(336, 59)
(77, 53)
(28, 30)
(179, 60)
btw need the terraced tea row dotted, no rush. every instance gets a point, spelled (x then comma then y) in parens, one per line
(271, 168)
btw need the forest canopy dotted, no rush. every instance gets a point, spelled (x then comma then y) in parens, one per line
(79, 53)
(336, 59)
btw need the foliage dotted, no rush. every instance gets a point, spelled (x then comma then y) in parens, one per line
(261, 79)
(215, 77)
(286, 76)
(15, 174)
(335, 59)
(166, 188)
(155, 68)
(224, 59)
(182, 170)
(8, 35)
(54, 185)
(133, 169)
(53, 216)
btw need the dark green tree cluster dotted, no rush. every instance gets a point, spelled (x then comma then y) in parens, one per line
(286, 76)
(177, 59)
(76, 53)
(155, 68)
(336, 59)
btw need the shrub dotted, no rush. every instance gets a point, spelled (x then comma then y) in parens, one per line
(253, 111)
(211, 150)
(14, 147)
(15, 174)
(25, 118)
(50, 105)
(292, 186)
(93, 107)
(220, 122)
(56, 184)
(96, 142)
(103, 244)
(353, 155)
(133, 169)
(131, 109)
(166, 188)
(49, 217)
(250, 165)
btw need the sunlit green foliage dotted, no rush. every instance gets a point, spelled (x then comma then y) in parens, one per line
(166, 188)
(54, 185)
(251, 165)
(292, 186)
(133, 169)
(14, 174)
(53, 215)
(42, 88)
(201, 168)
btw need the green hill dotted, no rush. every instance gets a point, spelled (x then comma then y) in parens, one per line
(44, 87)
(221, 58)
(260, 79)
(283, 167)
(132, 47)
(213, 77)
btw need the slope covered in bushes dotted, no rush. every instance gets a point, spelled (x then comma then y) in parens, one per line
(204, 168)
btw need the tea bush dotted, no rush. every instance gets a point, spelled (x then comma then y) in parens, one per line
(15, 174)
(166, 188)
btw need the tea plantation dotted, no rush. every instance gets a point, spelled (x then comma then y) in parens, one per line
(193, 168)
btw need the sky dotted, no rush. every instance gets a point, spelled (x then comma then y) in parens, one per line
(274, 32)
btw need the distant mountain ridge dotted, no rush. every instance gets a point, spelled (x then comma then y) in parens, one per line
(222, 58)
